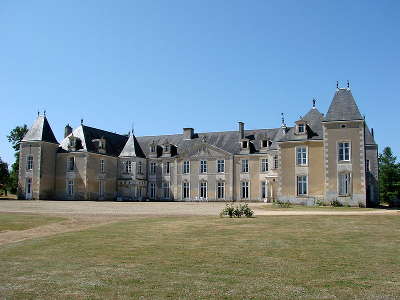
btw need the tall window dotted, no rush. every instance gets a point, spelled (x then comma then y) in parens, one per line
(29, 163)
(152, 190)
(220, 166)
(167, 167)
(244, 190)
(263, 190)
(302, 185)
(128, 166)
(152, 168)
(203, 189)
(153, 148)
(139, 168)
(185, 190)
(344, 151)
(220, 190)
(102, 165)
(70, 187)
(344, 184)
(71, 163)
(203, 166)
(301, 156)
(165, 190)
(28, 186)
(276, 162)
(101, 188)
(264, 165)
(245, 165)
(186, 167)
(301, 128)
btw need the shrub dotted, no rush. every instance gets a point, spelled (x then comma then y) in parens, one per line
(237, 211)
(228, 210)
(247, 211)
(336, 203)
(283, 204)
(361, 205)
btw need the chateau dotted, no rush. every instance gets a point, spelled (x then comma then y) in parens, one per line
(322, 158)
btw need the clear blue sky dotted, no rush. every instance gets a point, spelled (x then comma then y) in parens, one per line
(203, 64)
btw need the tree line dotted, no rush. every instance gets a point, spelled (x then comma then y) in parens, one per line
(389, 170)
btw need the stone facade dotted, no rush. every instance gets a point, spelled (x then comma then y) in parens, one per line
(330, 158)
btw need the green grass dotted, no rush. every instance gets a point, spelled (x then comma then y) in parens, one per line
(307, 257)
(24, 221)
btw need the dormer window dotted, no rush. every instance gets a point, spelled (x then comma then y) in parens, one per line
(301, 128)
(245, 144)
(266, 143)
(166, 148)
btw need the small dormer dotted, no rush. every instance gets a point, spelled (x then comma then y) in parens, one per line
(265, 144)
(153, 149)
(100, 145)
(301, 127)
(74, 143)
(166, 149)
(245, 145)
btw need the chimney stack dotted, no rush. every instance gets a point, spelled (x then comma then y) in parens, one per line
(372, 132)
(241, 130)
(188, 133)
(67, 130)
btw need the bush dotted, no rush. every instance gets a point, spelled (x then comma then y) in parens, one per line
(237, 211)
(336, 203)
(283, 204)
(361, 205)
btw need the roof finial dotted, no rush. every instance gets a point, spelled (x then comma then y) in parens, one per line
(337, 84)
(313, 103)
(348, 84)
(283, 118)
(44, 112)
(38, 113)
(81, 121)
(133, 127)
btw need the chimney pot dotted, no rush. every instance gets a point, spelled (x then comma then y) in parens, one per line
(67, 130)
(188, 133)
(241, 130)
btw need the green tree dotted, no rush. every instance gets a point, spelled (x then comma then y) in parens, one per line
(15, 137)
(389, 176)
(4, 176)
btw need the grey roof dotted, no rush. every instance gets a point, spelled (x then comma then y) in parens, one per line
(369, 139)
(313, 120)
(132, 148)
(40, 131)
(343, 107)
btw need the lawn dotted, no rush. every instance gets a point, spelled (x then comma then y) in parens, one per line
(24, 221)
(280, 257)
(313, 208)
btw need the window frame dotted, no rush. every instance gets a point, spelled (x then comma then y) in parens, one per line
(339, 150)
(303, 159)
(303, 126)
(244, 168)
(139, 167)
(128, 167)
(166, 187)
(300, 191)
(276, 162)
(102, 166)
(152, 188)
(220, 165)
(29, 163)
(167, 168)
(263, 190)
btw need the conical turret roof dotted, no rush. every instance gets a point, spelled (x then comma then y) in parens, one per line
(132, 148)
(343, 107)
(40, 131)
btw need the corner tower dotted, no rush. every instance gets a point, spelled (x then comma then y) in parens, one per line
(37, 161)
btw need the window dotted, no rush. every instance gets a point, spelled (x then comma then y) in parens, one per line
(70, 187)
(152, 190)
(344, 184)
(301, 156)
(276, 162)
(166, 148)
(244, 189)
(263, 190)
(152, 168)
(264, 165)
(71, 163)
(220, 166)
(301, 185)
(139, 192)
(185, 190)
(28, 186)
(203, 166)
(220, 190)
(264, 143)
(344, 151)
(139, 168)
(301, 128)
(29, 163)
(153, 148)
(245, 165)
(128, 166)
(165, 190)
(167, 167)
(244, 144)
(101, 188)
(186, 167)
(203, 189)
(102, 165)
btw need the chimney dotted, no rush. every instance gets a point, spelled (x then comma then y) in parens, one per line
(67, 130)
(241, 130)
(188, 133)
(372, 132)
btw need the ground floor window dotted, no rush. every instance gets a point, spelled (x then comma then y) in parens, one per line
(203, 189)
(165, 189)
(70, 187)
(29, 186)
(185, 190)
(244, 189)
(221, 190)
(263, 190)
(344, 184)
(152, 190)
(302, 185)
(101, 188)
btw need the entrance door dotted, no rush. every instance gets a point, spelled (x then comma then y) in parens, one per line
(28, 189)
(101, 190)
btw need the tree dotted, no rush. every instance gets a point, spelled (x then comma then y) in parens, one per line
(15, 138)
(389, 176)
(4, 176)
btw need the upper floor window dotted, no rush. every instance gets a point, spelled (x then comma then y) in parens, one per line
(203, 166)
(102, 165)
(344, 184)
(301, 156)
(245, 165)
(29, 162)
(71, 163)
(344, 151)
(264, 165)
(186, 167)
(152, 168)
(302, 185)
(301, 128)
(220, 166)
(139, 168)
(276, 162)
(167, 165)
(128, 166)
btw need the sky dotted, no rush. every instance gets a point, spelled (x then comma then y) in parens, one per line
(164, 65)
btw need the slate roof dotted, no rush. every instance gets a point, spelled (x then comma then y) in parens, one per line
(40, 131)
(132, 148)
(343, 107)
(369, 139)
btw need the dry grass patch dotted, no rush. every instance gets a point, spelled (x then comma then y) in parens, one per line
(9, 221)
